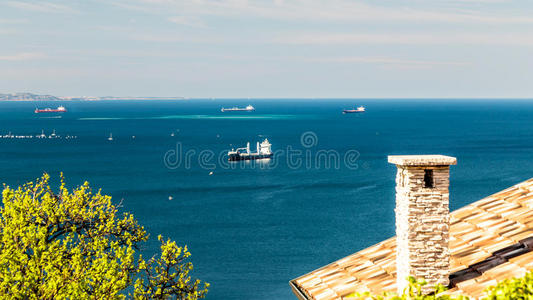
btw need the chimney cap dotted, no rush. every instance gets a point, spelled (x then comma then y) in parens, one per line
(422, 160)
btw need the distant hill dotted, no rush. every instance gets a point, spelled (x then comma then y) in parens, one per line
(35, 97)
(28, 97)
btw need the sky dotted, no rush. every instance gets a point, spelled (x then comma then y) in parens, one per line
(268, 48)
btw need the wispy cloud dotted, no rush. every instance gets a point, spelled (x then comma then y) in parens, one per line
(331, 10)
(478, 1)
(322, 38)
(173, 38)
(188, 21)
(386, 61)
(13, 21)
(41, 6)
(7, 31)
(129, 6)
(22, 56)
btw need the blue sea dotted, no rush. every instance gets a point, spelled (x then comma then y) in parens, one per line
(251, 227)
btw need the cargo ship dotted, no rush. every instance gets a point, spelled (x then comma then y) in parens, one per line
(247, 108)
(360, 109)
(263, 151)
(50, 110)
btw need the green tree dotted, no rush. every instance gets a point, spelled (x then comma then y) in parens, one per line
(75, 245)
(413, 291)
(514, 288)
(520, 288)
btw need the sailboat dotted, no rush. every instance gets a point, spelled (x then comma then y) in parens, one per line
(110, 138)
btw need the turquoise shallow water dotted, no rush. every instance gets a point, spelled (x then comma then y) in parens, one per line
(242, 116)
(252, 227)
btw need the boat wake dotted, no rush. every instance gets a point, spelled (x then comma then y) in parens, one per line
(53, 117)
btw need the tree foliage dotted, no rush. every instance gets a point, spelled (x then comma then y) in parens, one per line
(75, 245)
(413, 291)
(515, 288)
(510, 289)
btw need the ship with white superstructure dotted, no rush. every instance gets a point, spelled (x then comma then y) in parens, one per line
(263, 150)
(360, 109)
(247, 108)
(51, 110)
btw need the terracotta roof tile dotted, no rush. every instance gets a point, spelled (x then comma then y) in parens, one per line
(476, 231)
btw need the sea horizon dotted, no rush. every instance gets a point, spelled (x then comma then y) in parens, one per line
(185, 98)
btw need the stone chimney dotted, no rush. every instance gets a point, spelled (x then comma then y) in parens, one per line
(422, 218)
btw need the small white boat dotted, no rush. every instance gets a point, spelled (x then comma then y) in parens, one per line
(110, 138)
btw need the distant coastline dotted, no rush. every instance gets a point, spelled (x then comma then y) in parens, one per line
(30, 97)
(36, 97)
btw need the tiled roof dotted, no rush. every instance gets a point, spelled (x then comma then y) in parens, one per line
(476, 231)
